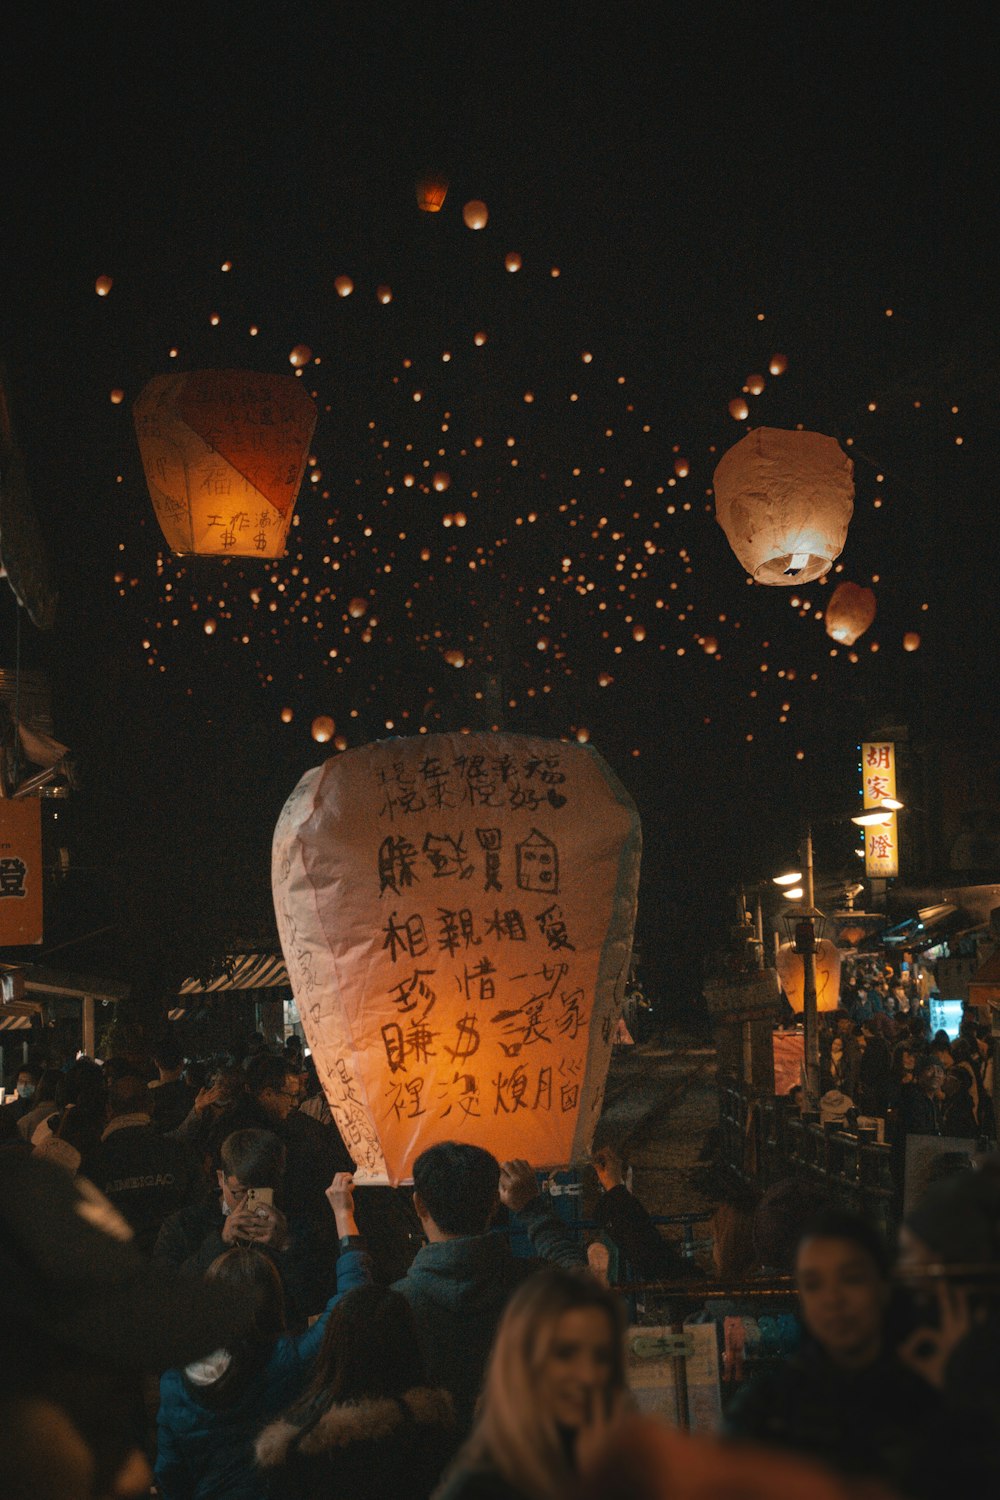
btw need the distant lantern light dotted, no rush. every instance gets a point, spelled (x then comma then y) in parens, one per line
(103, 285)
(638, 632)
(210, 627)
(431, 189)
(738, 409)
(384, 294)
(340, 742)
(778, 364)
(475, 214)
(322, 729)
(117, 396)
(681, 468)
(911, 641)
(233, 433)
(542, 644)
(357, 608)
(849, 613)
(582, 735)
(455, 658)
(755, 384)
(479, 339)
(785, 500)
(343, 286)
(512, 261)
(460, 518)
(710, 645)
(286, 716)
(300, 355)
(441, 481)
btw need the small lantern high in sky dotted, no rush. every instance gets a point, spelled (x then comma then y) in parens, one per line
(456, 913)
(224, 452)
(785, 500)
(849, 613)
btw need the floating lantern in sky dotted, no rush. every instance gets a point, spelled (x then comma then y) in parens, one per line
(513, 261)
(300, 355)
(384, 294)
(755, 384)
(441, 481)
(455, 658)
(911, 641)
(357, 608)
(117, 396)
(322, 729)
(418, 1038)
(475, 214)
(785, 501)
(738, 409)
(432, 189)
(224, 452)
(681, 468)
(849, 613)
(791, 972)
(344, 286)
(778, 364)
(638, 632)
(286, 716)
(103, 285)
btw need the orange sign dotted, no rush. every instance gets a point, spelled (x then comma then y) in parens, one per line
(878, 781)
(456, 915)
(20, 871)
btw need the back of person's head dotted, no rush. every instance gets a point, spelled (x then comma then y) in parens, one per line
(256, 1158)
(48, 1082)
(82, 1084)
(515, 1429)
(459, 1185)
(169, 1055)
(122, 1067)
(128, 1095)
(370, 1349)
(779, 1218)
(835, 1223)
(265, 1071)
(255, 1276)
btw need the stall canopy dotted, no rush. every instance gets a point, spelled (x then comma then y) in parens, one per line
(984, 986)
(237, 971)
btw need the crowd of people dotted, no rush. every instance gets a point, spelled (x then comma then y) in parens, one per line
(200, 1303)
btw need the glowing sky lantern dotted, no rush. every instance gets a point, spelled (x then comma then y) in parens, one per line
(441, 481)
(383, 294)
(911, 641)
(475, 214)
(103, 285)
(849, 613)
(224, 452)
(344, 286)
(357, 608)
(791, 972)
(785, 501)
(738, 409)
(454, 657)
(456, 914)
(755, 384)
(300, 355)
(432, 189)
(513, 262)
(682, 468)
(778, 364)
(322, 729)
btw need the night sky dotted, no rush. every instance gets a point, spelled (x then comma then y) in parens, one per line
(715, 185)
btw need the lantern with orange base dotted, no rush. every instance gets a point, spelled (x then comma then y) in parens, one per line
(791, 972)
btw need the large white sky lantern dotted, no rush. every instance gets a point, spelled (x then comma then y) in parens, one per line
(785, 501)
(456, 913)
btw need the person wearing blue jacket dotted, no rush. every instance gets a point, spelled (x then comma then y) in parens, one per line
(212, 1410)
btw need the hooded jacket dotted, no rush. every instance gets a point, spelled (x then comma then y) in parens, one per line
(374, 1449)
(458, 1290)
(205, 1450)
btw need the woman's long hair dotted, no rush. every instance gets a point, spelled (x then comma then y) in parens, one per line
(370, 1350)
(514, 1433)
(257, 1276)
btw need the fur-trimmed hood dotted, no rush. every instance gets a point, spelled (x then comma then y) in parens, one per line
(355, 1422)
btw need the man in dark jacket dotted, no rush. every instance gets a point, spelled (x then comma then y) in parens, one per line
(459, 1282)
(145, 1175)
(200, 1232)
(173, 1099)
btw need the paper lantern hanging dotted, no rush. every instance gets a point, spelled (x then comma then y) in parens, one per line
(432, 189)
(785, 501)
(224, 453)
(791, 972)
(456, 914)
(849, 613)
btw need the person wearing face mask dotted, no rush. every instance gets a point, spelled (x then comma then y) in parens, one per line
(554, 1386)
(845, 1398)
(22, 1087)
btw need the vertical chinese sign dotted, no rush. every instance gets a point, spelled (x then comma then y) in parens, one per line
(878, 781)
(456, 914)
(20, 871)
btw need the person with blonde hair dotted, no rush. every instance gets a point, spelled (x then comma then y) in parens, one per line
(554, 1384)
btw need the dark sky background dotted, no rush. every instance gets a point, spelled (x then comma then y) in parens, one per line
(686, 168)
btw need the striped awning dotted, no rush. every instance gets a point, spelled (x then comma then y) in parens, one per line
(14, 1023)
(241, 971)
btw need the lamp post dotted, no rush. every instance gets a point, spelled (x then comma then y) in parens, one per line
(805, 943)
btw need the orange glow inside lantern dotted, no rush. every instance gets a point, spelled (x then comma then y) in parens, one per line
(357, 608)
(791, 972)
(500, 1036)
(785, 500)
(344, 286)
(322, 729)
(224, 452)
(475, 214)
(103, 285)
(432, 189)
(738, 409)
(849, 613)
(911, 641)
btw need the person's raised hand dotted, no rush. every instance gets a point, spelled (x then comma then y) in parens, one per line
(207, 1096)
(238, 1227)
(340, 1196)
(928, 1350)
(518, 1184)
(269, 1227)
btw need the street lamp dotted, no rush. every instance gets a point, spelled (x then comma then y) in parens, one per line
(805, 944)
